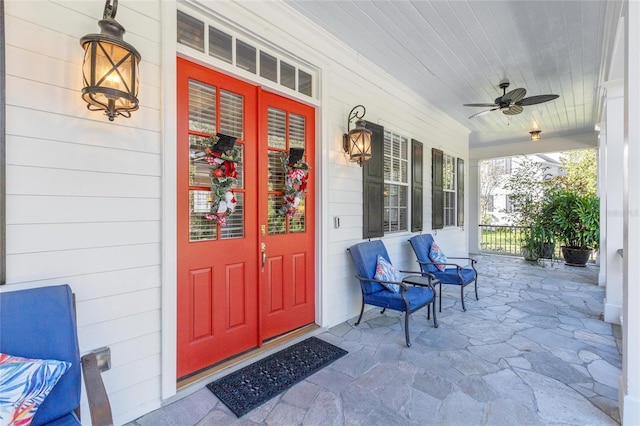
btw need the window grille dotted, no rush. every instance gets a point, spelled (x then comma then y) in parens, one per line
(396, 182)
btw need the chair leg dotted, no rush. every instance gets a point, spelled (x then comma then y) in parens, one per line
(435, 320)
(440, 297)
(361, 312)
(406, 328)
(462, 298)
(475, 284)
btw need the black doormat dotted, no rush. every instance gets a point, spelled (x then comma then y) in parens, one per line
(255, 384)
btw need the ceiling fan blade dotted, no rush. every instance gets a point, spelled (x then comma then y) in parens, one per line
(513, 110)
(484, 112)
(481, 105)
(514, 96)
(532, 100)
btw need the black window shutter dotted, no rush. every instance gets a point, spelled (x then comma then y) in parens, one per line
(437, 193)
(416, 186)
(460, 200)
(373, 185)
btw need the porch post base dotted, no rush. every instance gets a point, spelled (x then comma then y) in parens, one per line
(612, 313)
(630, 406)
(602, 278)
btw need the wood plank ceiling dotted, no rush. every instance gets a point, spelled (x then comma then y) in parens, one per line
(457, 52)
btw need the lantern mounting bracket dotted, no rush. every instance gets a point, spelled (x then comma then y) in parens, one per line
(110, 9)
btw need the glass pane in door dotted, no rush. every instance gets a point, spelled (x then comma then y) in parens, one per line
(202, 107)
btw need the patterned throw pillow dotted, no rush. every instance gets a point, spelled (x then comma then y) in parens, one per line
(385, 271)
(25, 383)
(437, 257)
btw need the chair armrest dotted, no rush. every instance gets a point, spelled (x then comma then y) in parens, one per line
(445, 264)
(96, 394)
(421, 273)
(465, 258)
(473, 262)
(402, 285)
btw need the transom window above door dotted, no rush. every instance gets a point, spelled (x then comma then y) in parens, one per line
(218, 42)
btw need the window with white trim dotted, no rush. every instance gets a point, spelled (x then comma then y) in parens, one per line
(449, 188)
(396, 182)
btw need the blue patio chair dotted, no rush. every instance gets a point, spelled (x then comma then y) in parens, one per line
(414, 291)
(40, 324)
(453, 273)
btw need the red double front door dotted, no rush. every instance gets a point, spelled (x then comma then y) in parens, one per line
(252, 278)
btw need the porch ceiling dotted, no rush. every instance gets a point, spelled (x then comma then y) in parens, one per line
(456, 52)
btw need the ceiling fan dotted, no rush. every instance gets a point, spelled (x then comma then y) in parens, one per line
(511, 103)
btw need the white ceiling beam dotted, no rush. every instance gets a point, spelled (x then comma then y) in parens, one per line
(544, 145)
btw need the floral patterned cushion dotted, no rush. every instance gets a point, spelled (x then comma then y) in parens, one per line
(385, 271)
(437, 257)
(25, 383)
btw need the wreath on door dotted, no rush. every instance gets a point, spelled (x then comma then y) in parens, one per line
(295, 187)
(222, 157)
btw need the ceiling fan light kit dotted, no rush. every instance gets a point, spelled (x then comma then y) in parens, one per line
(511, 103)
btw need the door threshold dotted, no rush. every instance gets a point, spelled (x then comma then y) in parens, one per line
(243, 357)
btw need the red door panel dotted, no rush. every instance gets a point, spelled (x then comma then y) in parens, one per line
(300, 273)
(287, 284)
(217, 268)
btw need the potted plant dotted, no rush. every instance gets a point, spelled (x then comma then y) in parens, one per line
(576, 224)
(538, 241)
(545, 223)
(532, 243)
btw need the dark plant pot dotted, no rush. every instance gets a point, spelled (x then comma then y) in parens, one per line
(529, 255)
(547, 250)
(575, 256)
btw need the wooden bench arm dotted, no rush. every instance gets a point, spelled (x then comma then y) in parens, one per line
(96, 394)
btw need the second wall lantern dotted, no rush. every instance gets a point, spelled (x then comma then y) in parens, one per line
(357, 142)
(535, 135)
(110, 68)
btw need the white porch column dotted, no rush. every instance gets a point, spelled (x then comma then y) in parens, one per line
(601, 128)
(630, 381)
(613, 197)
(473, 218)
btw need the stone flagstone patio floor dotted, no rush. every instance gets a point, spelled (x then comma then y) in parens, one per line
(532, 351)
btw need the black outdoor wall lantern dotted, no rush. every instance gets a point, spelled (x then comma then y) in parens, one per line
(357, 142)
(110, 68)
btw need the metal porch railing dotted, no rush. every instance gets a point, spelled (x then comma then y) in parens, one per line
(501, 239)
(507, 239)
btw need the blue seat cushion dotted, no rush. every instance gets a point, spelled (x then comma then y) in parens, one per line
(450, 276)
(422, 247)
(68, 420)
(365, 256)
(417, 297)
(40, 323)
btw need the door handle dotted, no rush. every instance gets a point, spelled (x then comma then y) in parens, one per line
(263, 249)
